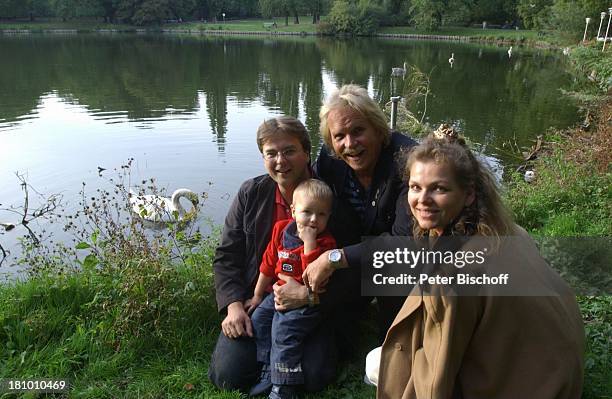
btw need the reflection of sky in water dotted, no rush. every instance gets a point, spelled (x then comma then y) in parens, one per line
(61, 144)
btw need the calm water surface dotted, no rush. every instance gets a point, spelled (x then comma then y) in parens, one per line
(186, 108)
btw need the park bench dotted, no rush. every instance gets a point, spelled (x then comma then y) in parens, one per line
(269, 25)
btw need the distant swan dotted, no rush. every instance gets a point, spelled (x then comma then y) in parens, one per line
(451, 60)
(155, 208)
(510, 52)
(397, 71)
(7, 226)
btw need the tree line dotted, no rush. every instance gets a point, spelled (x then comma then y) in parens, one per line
(344, 16)
(151, 12)
(365, 16)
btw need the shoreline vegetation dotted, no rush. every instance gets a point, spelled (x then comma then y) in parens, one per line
(265, 27)
(121, 317)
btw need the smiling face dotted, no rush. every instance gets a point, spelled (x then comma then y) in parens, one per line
(434, 195)
(354, 140)
(310, 211)
(285, 160)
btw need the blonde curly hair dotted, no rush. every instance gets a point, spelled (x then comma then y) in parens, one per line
(487, 215)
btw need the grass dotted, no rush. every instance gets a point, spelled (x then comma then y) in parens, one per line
(75, 326)
(572, 197)
(461, 31)
(84, 25)
(255, 25)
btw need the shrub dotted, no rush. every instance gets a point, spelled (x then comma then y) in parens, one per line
(361, 19)
(325, 28)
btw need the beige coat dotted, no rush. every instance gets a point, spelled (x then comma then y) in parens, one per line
(514, 347)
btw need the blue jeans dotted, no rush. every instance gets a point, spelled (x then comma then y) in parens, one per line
(234, 366)
(280, 336)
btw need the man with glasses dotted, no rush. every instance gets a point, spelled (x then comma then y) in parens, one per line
(262, 201)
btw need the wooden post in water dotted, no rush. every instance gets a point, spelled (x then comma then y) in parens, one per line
(394, 103)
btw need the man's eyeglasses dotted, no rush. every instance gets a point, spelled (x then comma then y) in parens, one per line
(286, 153)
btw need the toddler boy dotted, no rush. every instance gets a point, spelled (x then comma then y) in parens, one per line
(294, 244)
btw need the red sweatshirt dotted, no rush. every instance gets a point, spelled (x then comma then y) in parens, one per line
(291, 261)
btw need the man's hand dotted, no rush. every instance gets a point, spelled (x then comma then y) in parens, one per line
(237, 323)
(290, 295)
(317, 273)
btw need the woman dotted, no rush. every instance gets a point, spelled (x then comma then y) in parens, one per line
(477, 346)
(261, 201)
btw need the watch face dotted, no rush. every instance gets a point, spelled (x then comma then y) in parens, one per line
(335, 256)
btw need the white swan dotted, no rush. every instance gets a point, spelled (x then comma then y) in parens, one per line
(155, 208)
(451, 60)
(397, 71)
(510, 52)
(529, 176)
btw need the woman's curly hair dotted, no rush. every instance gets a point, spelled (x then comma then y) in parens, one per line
(487, 215)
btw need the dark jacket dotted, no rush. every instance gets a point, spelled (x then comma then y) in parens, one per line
(386, 210)
(246, 233)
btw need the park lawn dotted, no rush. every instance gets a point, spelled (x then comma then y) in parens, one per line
(85, 25)
(461, 31)
(253, 25)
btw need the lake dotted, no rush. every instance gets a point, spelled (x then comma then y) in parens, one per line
(186, 108)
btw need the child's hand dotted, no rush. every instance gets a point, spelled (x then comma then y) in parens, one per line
(307, 234)
(251, 304)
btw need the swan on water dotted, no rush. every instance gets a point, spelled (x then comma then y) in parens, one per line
(397, 71)
(155, 208)
(451, 60)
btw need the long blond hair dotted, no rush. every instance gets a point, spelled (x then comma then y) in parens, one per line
(357, 98)
(487, 215)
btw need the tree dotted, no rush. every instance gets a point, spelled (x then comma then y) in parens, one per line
(427, 14)
(534, 13)
(316, 8)
(563, 15)
(215, 7)
(12, 9)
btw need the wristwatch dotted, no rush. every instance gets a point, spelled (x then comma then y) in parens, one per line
(335, 258)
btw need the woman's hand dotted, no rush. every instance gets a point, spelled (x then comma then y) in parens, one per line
(237, 323)
(291, 295)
